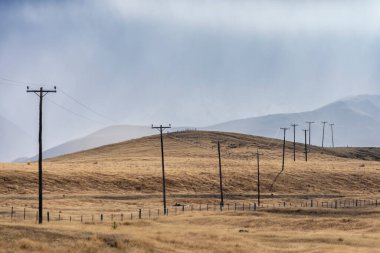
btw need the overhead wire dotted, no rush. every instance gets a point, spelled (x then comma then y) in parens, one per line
(85, 106)
(12, 82)
(72, 112)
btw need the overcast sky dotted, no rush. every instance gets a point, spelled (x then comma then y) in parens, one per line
(192, 63)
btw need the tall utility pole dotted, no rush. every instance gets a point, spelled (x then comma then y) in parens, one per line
(283, 147)
(323, 133)
(41, 93)
(332, 134)
(309, 123)
(305, 130)
(294, 141)
(220, 178)
(258, 176)
(161, 129)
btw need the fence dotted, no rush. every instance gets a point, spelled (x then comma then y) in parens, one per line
(28, 214)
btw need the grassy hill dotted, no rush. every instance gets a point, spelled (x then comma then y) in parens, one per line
(134, 167)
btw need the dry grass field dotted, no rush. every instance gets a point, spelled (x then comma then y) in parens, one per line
(126, 176)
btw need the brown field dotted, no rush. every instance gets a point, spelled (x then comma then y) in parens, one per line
(123, 177)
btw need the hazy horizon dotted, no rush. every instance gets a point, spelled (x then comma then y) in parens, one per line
(189, 63)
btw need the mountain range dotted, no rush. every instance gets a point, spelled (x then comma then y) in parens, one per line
(356, 122)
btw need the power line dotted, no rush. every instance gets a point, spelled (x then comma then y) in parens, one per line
(22, 84)
(13, 84)
(85, 106)
(18, 82)
(74, 113)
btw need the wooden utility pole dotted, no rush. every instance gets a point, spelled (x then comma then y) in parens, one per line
(294, 141)
(220, 178)
(309, 123)
(323, 133)
(161, 129)
(283, 147)
(258, 176)
(305, 130)
(40, 93)
(332, 135)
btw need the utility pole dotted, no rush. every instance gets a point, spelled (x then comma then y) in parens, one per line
(305, 144)
(161, 129)
(332, 134)
(283, 147)
(41, 93)
(258, 176)
(309, 123)
(323, 133)
(220, 178)
(294, 141)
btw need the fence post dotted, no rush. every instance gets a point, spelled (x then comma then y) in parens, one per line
(131, 216)
(24, 213)
(336, 204)
(254, 206)
(139, 214)
(228, 206)
(101, 217)
(12, 213)
(48, 217)
(311, 203)
(183, 208)
(149, 213)
(167, 211)
(70, 218)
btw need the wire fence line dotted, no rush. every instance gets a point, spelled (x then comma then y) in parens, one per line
(19, 214)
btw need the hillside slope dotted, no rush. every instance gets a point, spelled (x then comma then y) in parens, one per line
(191, 165)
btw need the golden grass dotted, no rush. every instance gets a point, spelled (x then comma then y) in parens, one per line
(126, 176)
(275, 230)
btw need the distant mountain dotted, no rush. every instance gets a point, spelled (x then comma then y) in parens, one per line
(356, 123)
(13, 141)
